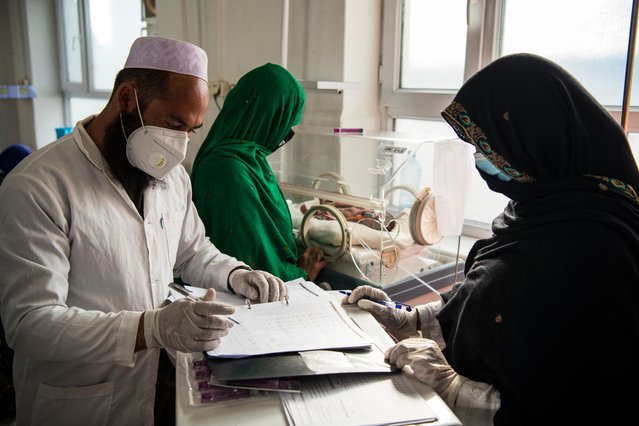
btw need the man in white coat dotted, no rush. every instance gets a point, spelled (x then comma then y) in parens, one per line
(93, 227)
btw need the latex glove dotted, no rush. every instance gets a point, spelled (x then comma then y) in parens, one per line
(312, 261)
(400, 323)
(188, 325)
(428, 323)
(256, 285)
(429, 365)
(474, 403)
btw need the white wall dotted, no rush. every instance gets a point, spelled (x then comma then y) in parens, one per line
(16, 115)
(28, 42)
(240, 35)
(331, 40)
(48, 109)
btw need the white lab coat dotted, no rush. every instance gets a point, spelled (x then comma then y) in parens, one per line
(78, 265)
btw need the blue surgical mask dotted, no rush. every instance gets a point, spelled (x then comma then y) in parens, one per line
(486, 166)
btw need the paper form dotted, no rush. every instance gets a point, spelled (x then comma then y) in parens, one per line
(298, 290)
(357, 400)
(452, 168)
(278, 327)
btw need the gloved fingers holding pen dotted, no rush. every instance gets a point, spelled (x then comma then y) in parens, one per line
(257, 285)
(400, 323)
(188, 325)
(365, 291)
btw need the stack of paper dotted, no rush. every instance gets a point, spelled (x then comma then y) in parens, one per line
(279, 327)
(348, 400)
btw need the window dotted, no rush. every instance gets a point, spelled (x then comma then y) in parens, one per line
(423, 27)
(589, 39)
(430, 47)
(95, 37)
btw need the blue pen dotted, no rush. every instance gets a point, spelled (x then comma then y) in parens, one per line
(389, 303)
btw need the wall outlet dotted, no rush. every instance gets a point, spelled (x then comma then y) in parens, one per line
(219, 87)
(214, 88)
(225, 87)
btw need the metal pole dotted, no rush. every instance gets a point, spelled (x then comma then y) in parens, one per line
(630, 59)
(285, 13)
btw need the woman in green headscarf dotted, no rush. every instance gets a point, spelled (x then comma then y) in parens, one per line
(234, 189)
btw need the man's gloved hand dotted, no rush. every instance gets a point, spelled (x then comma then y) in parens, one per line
(429, 365)
(400, 323)
(188, 325)
(257, 285)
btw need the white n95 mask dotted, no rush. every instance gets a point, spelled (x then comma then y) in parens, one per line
(155, 150)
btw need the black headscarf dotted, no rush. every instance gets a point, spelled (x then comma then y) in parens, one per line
(549, 310)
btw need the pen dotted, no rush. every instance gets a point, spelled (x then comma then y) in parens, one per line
(187, 293)
(182, 290)
(389, 303)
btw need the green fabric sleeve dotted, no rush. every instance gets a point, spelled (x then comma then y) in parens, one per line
(234, 215)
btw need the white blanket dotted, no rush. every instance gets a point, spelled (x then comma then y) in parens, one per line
(328, 232)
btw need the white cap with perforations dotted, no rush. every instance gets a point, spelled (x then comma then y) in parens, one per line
(167, 54)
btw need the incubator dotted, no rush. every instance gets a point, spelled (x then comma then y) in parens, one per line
(386, 208)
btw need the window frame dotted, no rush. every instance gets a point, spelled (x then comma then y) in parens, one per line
(85, 88)
(482, 47)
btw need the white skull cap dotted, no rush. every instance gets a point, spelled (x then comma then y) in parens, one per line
(167, 54)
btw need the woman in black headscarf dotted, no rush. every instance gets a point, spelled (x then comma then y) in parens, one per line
(544, 327)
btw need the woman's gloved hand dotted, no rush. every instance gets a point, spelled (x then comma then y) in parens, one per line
(400, 323)
(257, 285)
(188, 325)
(429, 365)
(474, 403)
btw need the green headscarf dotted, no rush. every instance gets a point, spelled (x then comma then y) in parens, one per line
(234, 189)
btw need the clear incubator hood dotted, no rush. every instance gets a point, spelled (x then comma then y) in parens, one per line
(386, 208)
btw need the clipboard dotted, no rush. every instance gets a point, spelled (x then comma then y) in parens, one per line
(307, 363)
(253, 356)
(279, 327)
